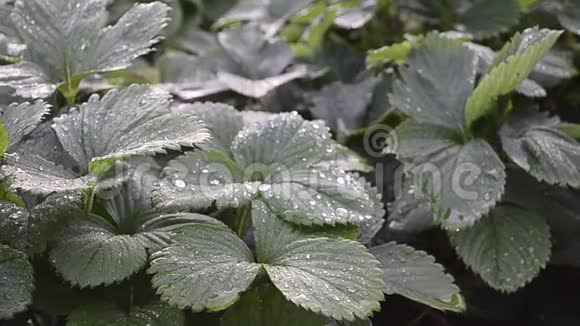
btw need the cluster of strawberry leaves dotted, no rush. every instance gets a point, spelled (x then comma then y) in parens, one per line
(128, 191)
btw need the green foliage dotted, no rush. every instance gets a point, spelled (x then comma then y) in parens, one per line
(508, 248)
(16, 280)
(122, 202)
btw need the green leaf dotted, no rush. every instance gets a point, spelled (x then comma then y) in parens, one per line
(247, 62)
(560, 207)
(531, 139)
(4, 139)
(572, 130)
(6, 26)
(250, 47)
(277, 159)
(415, 275)
(271, 15)
(511, 67)
(507, 249)
(407, 213)
(527, 3)
(568, 13)
(14, 225)
(486, 18)
(285, 141)
(16, 282)
(26, 79)
(28, 230)
(206, 268)
(397, 52)
(264, 305)
(258, 88)
(106, 314)
(30, 173)
(21, 119)
(199, 180)
(311, 41)
(346, 159)
(437, 82)
(335, 277)
(124, 124)
(460, 182)
(132, 36)
(321, 196)
(96, 250)
(343, 106)
(355, 17)
(223, 121)
(91, 253)
(68, 40)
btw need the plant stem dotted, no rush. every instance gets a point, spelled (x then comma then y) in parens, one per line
(243, 219)
(89, 199)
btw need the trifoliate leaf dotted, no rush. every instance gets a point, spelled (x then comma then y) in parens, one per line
(437, 82)
(67, 40)
(343, 106)
(334, 277)
(247, 62)
(16, 282)
(30, 173)
(278, 160)
(511, 67)
(223, 121)
(356, 17)
(415, 275)
(22, 119)
(531, 139)
(461, 182)
(124, 124)
(206, 268)
(485, 18)
(271, 14)
(264, 305)
(508, 248)
(106, 314)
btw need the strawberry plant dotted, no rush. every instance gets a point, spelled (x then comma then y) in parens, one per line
(185, 162)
